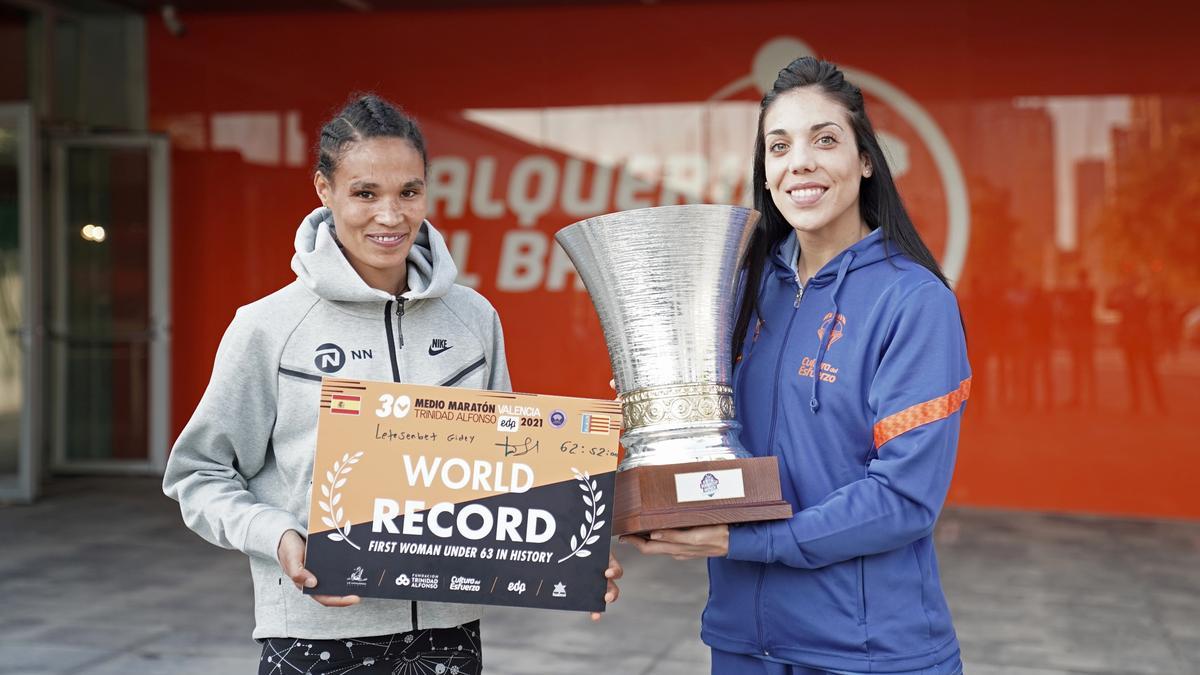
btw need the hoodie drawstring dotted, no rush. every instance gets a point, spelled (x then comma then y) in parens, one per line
(814, 402)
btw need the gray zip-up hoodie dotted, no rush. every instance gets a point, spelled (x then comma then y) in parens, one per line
(242, 467)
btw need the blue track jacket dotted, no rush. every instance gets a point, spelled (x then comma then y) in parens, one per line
(857, 385)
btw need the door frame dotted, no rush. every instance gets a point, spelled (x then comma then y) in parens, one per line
(29, 446)
(159, 334)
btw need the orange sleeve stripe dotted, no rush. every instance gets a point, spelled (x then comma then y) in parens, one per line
(922, 413)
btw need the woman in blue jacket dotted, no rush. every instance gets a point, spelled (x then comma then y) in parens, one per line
(852, 370)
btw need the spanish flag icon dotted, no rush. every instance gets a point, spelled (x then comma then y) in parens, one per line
(340, 404)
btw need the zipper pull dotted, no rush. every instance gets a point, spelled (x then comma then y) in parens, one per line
(799, 295)
(399, 319)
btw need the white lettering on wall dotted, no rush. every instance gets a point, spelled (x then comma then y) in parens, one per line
(522, 261)
(633, 184)
(528, 259)
(447, 184)
(483, 204)
(573, 201)
(532, 187)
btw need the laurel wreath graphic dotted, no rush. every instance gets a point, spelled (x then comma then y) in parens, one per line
(335, 480)
(587, 531)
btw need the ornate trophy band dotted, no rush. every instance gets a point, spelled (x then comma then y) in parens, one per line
(678, 404)
(662, 281)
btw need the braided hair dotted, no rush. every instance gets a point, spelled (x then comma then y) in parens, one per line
(364, 116)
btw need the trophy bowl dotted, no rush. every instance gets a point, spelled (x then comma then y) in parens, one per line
(663, 282)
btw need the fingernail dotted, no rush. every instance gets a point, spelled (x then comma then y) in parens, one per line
(310, 583)
(620, 540)
(656, 535)
(608, 574)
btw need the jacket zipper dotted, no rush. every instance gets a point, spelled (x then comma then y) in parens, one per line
(395, 344)
(862, 566)
(399, 320)
(779, 364)
(396, 341)
(862, 590)
(762, 571)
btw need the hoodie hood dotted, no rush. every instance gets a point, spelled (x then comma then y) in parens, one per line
(322, 267)
(866, 251)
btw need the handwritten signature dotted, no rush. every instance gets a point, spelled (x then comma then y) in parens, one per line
(517, 449)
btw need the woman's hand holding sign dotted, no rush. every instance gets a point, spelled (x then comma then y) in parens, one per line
(614, 572)
(291, 559)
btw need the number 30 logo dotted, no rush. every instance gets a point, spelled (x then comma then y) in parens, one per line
(391, 406)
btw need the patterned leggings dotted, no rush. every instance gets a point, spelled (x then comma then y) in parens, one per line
(437, 651)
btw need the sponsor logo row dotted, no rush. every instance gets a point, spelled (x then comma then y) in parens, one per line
(429, 581)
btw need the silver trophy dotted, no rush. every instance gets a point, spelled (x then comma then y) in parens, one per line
(663, 283)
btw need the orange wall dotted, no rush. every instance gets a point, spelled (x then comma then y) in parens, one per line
(1053, 126)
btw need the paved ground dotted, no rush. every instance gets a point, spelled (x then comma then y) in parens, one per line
(100, 577)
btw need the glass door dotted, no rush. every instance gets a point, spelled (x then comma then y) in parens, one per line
(110, 304)
(20, 299)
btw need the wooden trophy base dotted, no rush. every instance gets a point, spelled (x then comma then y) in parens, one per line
(672, 496)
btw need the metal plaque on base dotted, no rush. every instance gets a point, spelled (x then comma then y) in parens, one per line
(662, 281)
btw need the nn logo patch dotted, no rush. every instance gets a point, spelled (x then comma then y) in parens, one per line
(330, 358)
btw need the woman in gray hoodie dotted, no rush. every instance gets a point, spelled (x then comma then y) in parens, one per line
(374, 287)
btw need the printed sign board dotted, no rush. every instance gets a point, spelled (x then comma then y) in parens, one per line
(457, 495)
